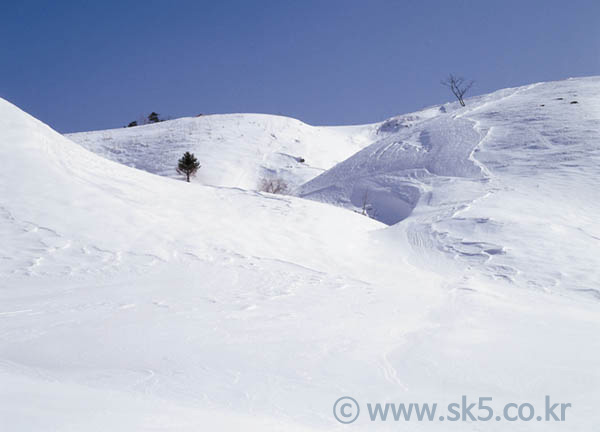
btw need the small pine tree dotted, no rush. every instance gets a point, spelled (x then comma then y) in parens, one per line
(153, 117)
(132, 124)
(188, 165)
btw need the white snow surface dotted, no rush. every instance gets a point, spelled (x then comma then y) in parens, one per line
(235, 150)
(131, 301)
(510, 183)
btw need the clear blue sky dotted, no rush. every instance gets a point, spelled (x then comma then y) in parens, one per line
(82, 65)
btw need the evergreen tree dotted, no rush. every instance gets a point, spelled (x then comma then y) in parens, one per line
(153, 117)
(132, 124)
(188, 165)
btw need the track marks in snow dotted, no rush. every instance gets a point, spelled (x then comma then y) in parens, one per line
(41, 251)
(390, 373)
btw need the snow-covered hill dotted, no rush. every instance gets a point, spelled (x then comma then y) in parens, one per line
(235, 150)
(510, 182)
(131, 301)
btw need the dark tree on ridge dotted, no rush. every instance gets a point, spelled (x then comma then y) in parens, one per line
(458, 86)
(153, 117)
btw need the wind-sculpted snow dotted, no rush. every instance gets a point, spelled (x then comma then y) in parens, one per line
(509, 183)
(135, 302)
(542, 152)
(389, 176)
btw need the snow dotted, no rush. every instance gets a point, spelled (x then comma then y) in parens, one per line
(508, 183)
(131, 301)
(235, 150)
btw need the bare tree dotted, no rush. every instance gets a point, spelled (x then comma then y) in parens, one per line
(365, 203)
(273, 185)
(458, 86)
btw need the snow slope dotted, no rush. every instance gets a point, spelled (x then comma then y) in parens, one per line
(235, 150)
(124, 290)
(130, 301)
(510, 183)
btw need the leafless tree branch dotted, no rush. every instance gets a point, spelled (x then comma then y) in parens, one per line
(458, 86)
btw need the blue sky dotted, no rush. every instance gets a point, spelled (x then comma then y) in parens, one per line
(80, 65)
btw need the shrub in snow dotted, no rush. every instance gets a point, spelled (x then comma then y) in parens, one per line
(188, 165)
(273, 185)
(153, 117)
(390, 126)
(132, 124)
